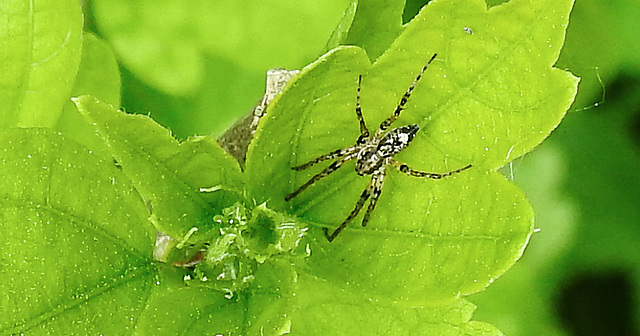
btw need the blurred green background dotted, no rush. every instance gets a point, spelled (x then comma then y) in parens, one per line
(197, 66)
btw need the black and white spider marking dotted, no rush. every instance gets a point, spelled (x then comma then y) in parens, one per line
(373, 154)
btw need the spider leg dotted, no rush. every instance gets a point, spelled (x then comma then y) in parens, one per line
(364, 131)
(405, 98)
(407, 170)
(336, 153)
(377, 182)
(330, 169)
(363, 198)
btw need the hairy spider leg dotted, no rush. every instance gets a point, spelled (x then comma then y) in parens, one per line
(364, 131)
(405, 98)
(356, 210)
(407, 170)
(332, 155)
(330, 169)
(377, 181)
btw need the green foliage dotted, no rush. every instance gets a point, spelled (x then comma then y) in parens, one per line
(98, 76)
(583, 185)
(81, 209)
(74, 241)
(167, 174)
(471, 109)
(41, 45)
(209, 57)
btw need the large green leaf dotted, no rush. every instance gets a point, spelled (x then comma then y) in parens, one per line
(372, 25)
(76, 240)
(325, 308)
(41, 45)
(168, 174)
(583, 185)
(490, 96)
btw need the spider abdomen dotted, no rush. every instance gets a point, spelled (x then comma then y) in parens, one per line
(373, 154)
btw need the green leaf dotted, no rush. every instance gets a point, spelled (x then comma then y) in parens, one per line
(98, 76)
(272, 147)
(168, 174)
(490, 96)
(283, 301)
(261, 309)
(189, 311)
(41, 45)
(341, 31)
(372, 25)
(324, 308)
(584, 209)
(76, 240)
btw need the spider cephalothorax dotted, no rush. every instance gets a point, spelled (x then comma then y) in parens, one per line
(373, 154)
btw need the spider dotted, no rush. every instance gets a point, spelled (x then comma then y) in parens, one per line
(373, 154)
